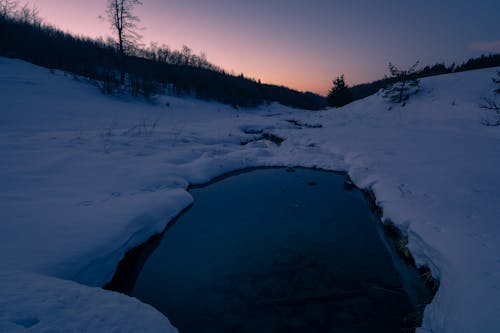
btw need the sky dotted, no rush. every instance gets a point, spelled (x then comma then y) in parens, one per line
(303, 44)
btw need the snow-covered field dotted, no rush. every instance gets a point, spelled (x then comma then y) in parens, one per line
(84, 177)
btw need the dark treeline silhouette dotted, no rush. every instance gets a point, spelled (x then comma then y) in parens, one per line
(147, 71)
(485, 61)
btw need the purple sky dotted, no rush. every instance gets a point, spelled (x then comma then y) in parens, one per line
(304, 44)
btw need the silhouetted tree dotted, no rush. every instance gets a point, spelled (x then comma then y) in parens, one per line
(366, 89)
(7, 8)
(436, 69)
(484, 61)
(146, 72)
(29, 14)
(124, 23)
(340, 94)
(186, 55)
(404, 83)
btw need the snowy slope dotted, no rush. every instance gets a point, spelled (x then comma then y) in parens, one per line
(85, 177)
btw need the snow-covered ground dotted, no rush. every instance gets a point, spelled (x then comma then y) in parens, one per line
(84, 177)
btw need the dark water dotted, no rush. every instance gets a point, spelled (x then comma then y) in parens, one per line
(275, 250)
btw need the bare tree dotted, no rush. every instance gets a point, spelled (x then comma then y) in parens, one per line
(7, 7)
(124, 23)
(29, 14)
(186, 55)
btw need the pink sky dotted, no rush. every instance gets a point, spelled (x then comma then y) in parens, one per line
(303, 44)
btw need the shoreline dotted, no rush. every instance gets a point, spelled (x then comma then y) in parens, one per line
(130, 266)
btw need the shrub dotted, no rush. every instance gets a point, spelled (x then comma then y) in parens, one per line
(405, 84)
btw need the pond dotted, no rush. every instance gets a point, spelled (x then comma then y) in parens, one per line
(275, 250)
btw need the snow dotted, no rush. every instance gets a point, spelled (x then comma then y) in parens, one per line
(84, 177)
(34, 303)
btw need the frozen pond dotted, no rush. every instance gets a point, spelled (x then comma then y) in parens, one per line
(276, 250)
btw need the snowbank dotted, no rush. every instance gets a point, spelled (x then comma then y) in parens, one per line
(85, 177)
(35, 303)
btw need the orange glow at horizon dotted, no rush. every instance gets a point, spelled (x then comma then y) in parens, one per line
(301, 44)
(257, 56)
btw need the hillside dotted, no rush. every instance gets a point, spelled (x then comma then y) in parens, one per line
(144, 72)
(85, 177)
(363, 90)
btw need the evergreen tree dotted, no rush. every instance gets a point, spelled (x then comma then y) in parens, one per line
(491, 104)
(340, 94)
(497, 81)
(404, 83)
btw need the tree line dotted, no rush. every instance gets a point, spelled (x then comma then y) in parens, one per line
(341, 94)
(140, 71)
